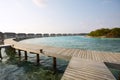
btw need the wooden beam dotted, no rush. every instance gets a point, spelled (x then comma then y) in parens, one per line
(37, 59)
(54, 63)
(25, 55)
(0, 54)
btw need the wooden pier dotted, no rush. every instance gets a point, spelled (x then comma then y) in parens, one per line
(84, 64)
(84, 69)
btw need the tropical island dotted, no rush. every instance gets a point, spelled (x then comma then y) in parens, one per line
(105, 32)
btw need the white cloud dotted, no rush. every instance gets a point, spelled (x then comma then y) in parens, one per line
(40, 3)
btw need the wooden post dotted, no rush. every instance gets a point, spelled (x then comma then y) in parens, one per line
(37, 59)
(19, 54)
(14, 50)
(54, 63)
(25, 55)
(0, 54)
(41, 51)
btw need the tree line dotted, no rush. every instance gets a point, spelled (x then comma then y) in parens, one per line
(109, 33)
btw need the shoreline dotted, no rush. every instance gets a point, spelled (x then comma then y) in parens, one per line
(101, 37)
(95, 37)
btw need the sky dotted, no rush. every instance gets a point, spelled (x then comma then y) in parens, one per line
(58, 16)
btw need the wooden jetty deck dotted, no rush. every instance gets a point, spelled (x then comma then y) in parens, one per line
(84, 69)
(95, 59)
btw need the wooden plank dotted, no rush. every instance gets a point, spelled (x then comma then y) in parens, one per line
(83, 69)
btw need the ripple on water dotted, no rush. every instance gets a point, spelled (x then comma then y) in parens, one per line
(11, 72)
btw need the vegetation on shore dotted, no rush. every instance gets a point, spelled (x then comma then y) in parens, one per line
(105, 32)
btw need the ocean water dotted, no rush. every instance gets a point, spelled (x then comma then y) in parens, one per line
(79, 42)
(13, 69)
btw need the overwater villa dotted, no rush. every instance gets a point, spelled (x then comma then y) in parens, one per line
(21, 35)
(46, 35)
(9, 35)
(52, 35)
(30, 35)
(38, 35)
(1, 37)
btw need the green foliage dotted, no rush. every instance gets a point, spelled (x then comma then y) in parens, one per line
(115, 32)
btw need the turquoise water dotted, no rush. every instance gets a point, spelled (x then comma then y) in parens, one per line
(79, 42)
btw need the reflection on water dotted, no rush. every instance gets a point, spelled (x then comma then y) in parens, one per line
(13, 69)
(11, 72)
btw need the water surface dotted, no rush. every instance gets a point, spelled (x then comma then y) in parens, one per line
(79, 42)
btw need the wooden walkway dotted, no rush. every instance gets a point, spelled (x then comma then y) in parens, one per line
(66, 53)
(97, 57)
(84, 69)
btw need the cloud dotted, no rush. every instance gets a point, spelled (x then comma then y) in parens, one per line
(40, 3)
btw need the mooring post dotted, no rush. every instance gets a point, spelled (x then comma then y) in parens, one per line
(37, 58)
(54, 63)
(0, 54)
(41, 51)
(25, 55)
(19, 54)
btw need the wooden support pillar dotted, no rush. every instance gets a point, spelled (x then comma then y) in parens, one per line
(14, 50)
(41, 51)
(54, 63)
(37, 58)
(19, 54)
(25, 55)
(0, 54)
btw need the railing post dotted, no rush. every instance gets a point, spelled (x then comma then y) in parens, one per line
(25, 55)
(19, 54)
(54, 63)
(0, 54)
